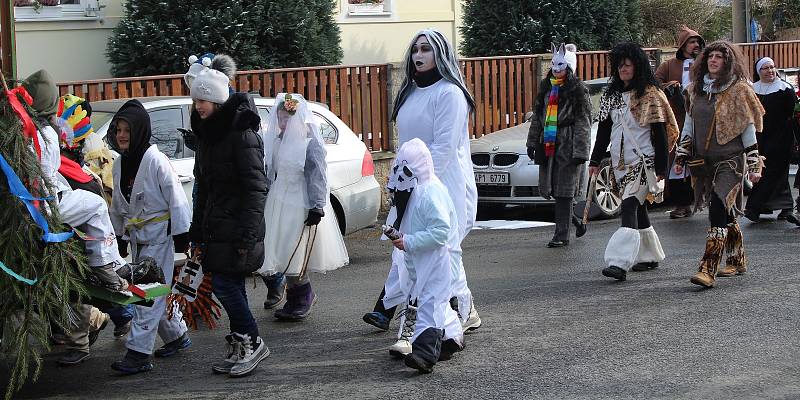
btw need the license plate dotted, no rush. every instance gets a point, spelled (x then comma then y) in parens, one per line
(491, 178)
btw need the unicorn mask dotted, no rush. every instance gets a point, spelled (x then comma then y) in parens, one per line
(563, 57)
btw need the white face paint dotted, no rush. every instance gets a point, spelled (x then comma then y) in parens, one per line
(422, 55)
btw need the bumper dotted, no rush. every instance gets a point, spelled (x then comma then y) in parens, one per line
(521, 195)
(360, 203)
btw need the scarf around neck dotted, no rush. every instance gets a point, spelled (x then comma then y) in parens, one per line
(551, 118)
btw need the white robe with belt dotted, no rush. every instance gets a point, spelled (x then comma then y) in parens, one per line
(156, 192)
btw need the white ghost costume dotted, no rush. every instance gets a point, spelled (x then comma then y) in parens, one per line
(296, 169)
(423, 272)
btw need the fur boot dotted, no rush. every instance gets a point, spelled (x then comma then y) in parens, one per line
(715, 246)
(736, 264)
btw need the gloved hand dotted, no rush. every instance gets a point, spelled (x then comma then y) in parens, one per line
(531, 153)
(122, 246)
(181, 242)
(314, 216)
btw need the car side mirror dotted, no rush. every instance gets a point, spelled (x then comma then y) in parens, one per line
(528, 116)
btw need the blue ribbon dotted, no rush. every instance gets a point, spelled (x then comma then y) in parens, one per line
(16, 275)
(18, 189)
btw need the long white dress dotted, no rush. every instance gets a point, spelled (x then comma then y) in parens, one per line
(156, 192)
(298, 187)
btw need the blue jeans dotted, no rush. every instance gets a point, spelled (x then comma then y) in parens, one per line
(230, 290)
(120, 315)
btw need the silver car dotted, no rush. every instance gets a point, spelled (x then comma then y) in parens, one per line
(355, 193)
(505, 175)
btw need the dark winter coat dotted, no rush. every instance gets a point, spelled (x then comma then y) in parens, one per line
(560, 175)
(231, 187)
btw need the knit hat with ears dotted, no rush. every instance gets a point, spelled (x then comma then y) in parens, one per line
(212, 83)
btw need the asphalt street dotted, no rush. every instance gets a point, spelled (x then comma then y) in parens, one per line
(553, 328)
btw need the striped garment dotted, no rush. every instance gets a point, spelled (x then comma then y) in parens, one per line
(551, 118)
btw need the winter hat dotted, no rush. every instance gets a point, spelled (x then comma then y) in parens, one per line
(42, 88)
(212, 83)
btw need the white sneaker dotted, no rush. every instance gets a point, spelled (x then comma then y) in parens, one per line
(250, 354)
(403, 345)
(473, 321)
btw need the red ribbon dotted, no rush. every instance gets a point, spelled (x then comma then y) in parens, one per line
(28, 128)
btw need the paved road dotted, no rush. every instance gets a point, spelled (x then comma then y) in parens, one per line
(554, 328)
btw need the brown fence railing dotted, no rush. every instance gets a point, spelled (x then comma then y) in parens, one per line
(357, 94)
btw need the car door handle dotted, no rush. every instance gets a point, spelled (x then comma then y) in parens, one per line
(185, 178)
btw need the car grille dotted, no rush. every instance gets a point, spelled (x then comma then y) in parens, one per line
(505, 160)
(506, 191)
(480, 159)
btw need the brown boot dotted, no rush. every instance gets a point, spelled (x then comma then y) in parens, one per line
(736, 264)
(715, 245)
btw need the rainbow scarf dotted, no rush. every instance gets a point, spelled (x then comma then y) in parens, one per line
(551, 118)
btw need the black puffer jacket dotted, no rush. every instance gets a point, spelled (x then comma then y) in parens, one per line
(231, 187)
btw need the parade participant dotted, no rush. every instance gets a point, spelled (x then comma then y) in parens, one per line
(719, 144)
(636, 120)
(434, 105)
(86, 212)
(148, 209)
(231, 192)
(421, 275)
(302, 234)
(775, 143)
(673, 76)
(559, 139)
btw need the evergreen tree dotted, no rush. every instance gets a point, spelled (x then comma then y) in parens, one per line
(508, 27)
(156, 37)
(47, 274)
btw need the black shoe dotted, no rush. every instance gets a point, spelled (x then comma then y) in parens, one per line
(173, 347)
(680, 212)
(580, 230)
(644, 266)
(788, 216)
(73, 357)
(145, 271)
(558, 243)
(614, 272)
(449, 347)
(133, 363)
(414, 361)
(276, 290)
(377, 320)
(752, 216)
(93, 335)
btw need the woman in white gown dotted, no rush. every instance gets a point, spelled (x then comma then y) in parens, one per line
(302, 231)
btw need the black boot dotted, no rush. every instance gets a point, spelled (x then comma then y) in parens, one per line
(276, 290)
(425, 350)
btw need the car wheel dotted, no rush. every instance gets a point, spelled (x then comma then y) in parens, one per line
(605, 195)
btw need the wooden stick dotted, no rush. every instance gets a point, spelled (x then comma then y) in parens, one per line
(589, 193)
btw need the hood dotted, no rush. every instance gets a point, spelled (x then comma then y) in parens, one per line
(684, 35)
(509, 140)
(238, 113)
(42, 88)
(134, 113)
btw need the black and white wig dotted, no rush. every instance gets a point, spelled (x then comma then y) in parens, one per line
(446, 63)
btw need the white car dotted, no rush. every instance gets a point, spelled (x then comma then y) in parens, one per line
(355, 193)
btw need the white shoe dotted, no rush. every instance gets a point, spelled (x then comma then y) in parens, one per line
(231, 356)
(403, 345)
(473, 321)
(251, 353)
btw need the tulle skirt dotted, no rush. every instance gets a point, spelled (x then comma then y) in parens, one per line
(287, 243)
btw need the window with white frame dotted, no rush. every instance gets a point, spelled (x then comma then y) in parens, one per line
(367, 8)
(42, 10)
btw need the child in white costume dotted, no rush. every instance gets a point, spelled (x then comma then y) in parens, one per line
(302, 232)
(422, 267)
(149, 209)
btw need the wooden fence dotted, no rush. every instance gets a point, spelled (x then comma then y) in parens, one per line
(357, 94)
(504, 87)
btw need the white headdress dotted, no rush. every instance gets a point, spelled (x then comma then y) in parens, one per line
(285, 149)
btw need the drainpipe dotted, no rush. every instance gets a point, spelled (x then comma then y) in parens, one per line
(7, 39)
